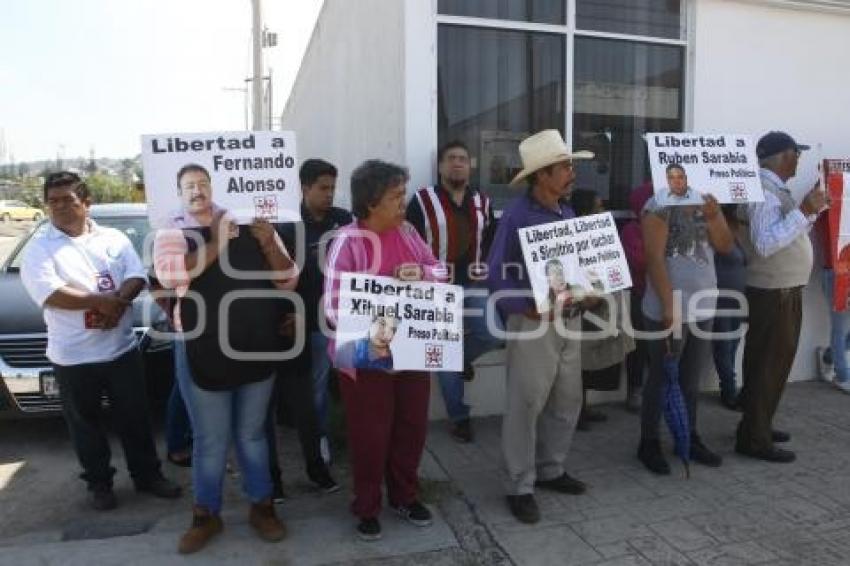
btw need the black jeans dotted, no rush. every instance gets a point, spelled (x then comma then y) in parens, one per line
(122, 379)
(294, 391)
(694, 356)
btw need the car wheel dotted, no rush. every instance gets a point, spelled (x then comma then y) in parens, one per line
(37, 216)
(6, 218)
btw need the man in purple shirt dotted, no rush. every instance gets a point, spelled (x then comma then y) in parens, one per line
(544, 389)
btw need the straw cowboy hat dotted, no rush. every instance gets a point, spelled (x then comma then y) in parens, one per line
(543, 149)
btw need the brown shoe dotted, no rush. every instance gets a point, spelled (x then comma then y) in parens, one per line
(204, 527)
(265, 522)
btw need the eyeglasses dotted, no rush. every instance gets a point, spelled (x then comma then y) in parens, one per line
(195, 185)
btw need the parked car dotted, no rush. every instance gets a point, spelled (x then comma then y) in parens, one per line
(17, 210)
(27, 383)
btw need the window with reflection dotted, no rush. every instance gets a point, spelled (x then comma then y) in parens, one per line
(537, 11)
(655, 18)
(623, 89)
(495, 88)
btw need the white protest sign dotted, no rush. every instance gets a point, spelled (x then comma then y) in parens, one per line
(250, 175)
(388, 324)
(574, 258)
(687, 166)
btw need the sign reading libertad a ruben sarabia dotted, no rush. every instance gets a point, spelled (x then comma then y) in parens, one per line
(570, 259)
(687, 166)
(248, 174)
(387, 324)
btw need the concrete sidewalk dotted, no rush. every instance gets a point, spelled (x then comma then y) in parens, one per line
(746, 512)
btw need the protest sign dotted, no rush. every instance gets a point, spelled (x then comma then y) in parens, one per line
(687, 166)
(250, 175)
(574, 258)
(387, 324)
(836, 173)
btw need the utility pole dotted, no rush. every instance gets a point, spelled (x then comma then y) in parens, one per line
(257, 80)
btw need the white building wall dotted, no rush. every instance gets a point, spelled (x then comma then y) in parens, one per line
(760, 67)
(368, 88)
(347, 104)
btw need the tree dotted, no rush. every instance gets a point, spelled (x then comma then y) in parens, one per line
(106, 188)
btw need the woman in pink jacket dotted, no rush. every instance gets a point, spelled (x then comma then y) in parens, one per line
(386, 412)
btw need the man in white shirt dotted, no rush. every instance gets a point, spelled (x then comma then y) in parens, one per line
(779, 263)
(85, 277)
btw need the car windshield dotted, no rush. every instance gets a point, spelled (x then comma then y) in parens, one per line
(136, 228)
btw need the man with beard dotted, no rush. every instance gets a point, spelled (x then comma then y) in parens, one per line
(457, 221)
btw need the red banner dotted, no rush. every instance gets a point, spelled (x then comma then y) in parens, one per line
(837, 177)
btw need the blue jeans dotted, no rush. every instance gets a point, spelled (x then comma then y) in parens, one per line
(178, 432)
(320, 370)
(839, 333)
(217, 416)
(477, 341)
(725, 350)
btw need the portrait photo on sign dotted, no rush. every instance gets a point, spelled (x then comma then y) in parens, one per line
(248, 175)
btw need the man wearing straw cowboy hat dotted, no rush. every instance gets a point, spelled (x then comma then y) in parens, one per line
(543, 367)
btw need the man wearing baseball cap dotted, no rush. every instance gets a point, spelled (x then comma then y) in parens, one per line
(544, 389)
(779, 255)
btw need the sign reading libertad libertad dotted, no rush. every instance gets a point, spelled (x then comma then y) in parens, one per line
(387, 324)
(570, 259)
(687, 166)
(248, 174)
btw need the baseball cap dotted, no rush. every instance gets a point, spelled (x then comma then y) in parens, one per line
(776, 142)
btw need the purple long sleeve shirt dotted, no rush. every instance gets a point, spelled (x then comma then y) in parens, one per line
(506, 252)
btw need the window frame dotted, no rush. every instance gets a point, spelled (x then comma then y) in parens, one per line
(570, 33)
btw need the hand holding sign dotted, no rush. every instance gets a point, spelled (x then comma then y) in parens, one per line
(710, 207)
(409, 272)
(814, 202)
(263, 232)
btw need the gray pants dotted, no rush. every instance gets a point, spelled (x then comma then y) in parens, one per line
(543, 401)
(694, 357)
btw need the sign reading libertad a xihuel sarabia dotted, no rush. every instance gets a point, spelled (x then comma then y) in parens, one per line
(387, 324)
(687, 166)
(248, 174)
(570, 259)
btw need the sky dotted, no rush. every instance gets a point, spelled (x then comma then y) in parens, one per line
(82, 74)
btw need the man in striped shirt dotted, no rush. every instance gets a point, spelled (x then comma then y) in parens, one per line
(458, 223)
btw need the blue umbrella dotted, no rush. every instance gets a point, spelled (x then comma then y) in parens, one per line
(675, 410)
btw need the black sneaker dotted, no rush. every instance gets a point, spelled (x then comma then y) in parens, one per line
(702, 455)
(160, 487)
(462, 431)
(649, 452)
(369, 529)
(415, 514)
(730, 401)
(102, 498)
(325, 482)
(563, 484)
(524, 508)
(278, 495)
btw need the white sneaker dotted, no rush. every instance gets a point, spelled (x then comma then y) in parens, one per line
(826, 369)
(842, 385)
(325, 450)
